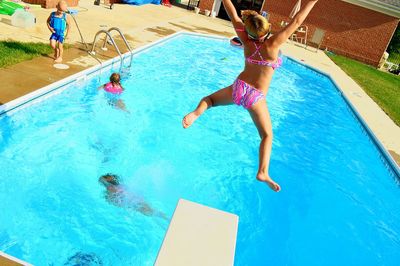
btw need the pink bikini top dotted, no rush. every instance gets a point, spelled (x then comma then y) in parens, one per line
(261, 62)
(109, 87)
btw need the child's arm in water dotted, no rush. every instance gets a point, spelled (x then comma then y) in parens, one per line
(281, 37)
(101, 87)
(121, 105)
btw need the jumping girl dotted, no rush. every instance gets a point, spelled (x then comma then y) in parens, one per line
(251, 86)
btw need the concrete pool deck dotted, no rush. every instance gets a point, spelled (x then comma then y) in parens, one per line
(148, 23)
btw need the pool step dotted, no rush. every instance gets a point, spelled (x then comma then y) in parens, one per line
(7, 260)
(199, 235)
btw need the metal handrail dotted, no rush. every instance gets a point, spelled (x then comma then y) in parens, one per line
(79, 30)
(82, 39)
(108, 35)
(95, 57)
(112, 40)
(123, 38)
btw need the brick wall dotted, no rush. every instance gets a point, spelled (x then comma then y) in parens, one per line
(351, 30)
(108, 2)
(206, 4)
(50, 3)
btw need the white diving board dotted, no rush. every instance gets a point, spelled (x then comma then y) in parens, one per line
(199, 236)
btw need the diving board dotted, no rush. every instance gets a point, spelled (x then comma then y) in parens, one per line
(199, 236)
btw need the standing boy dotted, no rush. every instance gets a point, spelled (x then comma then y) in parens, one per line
(58, 24)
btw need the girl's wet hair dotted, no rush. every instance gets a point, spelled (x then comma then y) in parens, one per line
(256, 25)
(115, 78)
(111, 179)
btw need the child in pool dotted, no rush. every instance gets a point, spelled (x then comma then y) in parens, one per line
(251, 86)
(58, 23)
(118, 196)
(114, 87)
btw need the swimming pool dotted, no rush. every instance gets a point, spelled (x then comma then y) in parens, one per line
(339, 199)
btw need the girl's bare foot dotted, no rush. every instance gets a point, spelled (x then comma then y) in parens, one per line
(189, 119)
(58, 60)
(271, 183)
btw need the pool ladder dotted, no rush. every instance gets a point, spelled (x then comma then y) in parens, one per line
(104, 47)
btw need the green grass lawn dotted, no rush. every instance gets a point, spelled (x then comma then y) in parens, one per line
(383, 88)
(14, 52)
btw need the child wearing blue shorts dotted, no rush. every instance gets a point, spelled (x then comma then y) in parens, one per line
(58, 24)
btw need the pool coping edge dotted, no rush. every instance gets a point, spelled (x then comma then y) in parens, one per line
(14, 259)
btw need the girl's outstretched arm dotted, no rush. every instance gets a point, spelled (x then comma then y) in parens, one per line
(235, 19)
(231, 10)
(279, 38)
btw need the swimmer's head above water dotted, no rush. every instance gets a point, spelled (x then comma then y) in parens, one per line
(257, 26)
(109, 180)
(115, 79)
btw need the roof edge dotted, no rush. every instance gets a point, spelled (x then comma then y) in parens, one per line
(381, 7)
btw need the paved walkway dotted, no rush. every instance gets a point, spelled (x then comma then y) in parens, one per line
(146, 24)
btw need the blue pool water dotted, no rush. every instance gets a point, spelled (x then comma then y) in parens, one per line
(339, 203)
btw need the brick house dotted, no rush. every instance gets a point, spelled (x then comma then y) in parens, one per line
(50, 3)
(360, 29)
